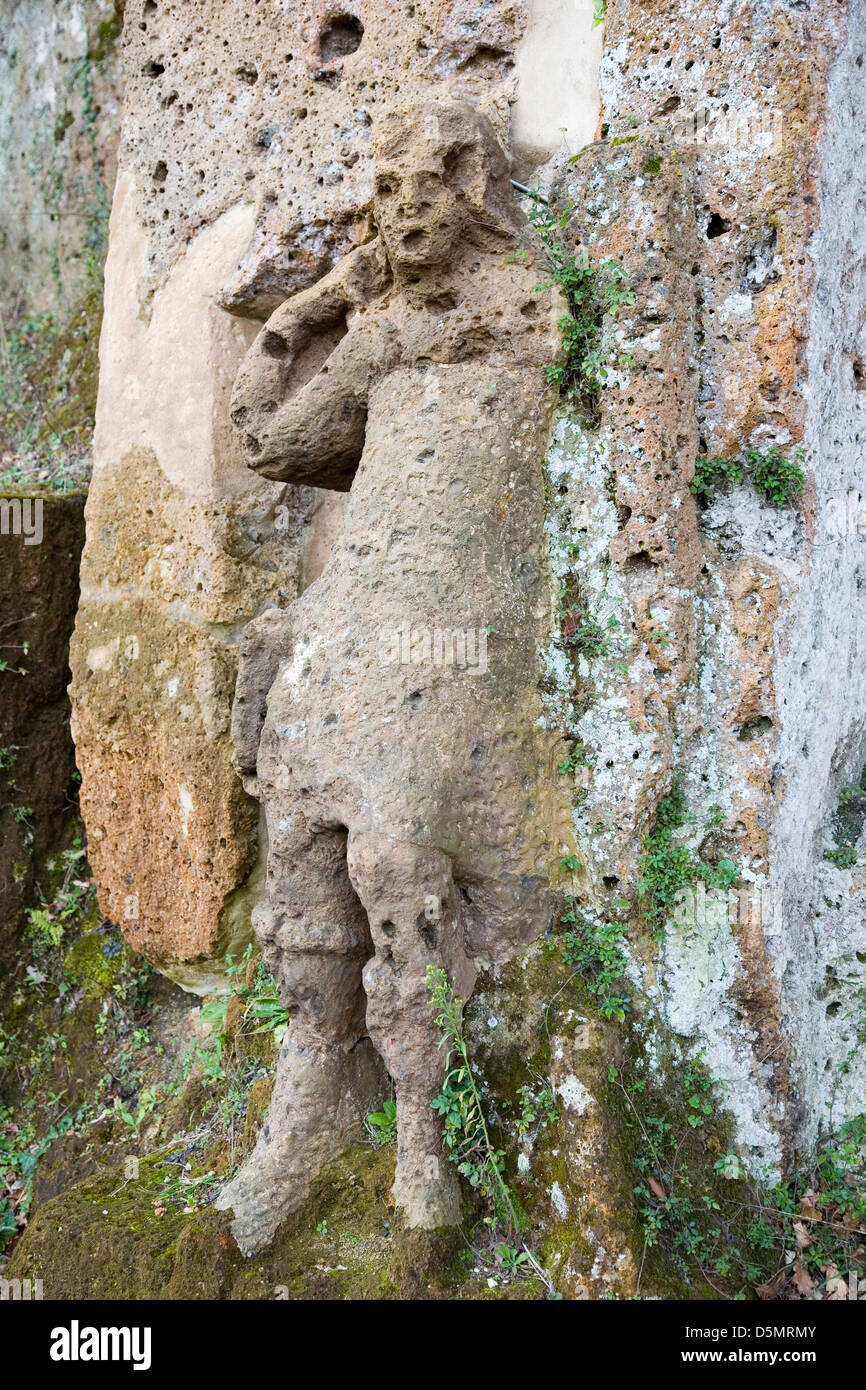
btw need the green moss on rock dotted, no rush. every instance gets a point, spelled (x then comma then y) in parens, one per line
(93, 962)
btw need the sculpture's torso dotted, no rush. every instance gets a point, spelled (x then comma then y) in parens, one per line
(383, 716)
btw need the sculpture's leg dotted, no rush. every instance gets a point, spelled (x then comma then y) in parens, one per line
(315, 938)
(415, 919)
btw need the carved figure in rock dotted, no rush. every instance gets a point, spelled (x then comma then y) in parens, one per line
(390, 718)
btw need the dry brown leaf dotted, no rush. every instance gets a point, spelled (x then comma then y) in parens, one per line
(808, 1208)
(802, 1280)
(837, 1287)
(656, 1187)
(773, 1289)
(804, 1237)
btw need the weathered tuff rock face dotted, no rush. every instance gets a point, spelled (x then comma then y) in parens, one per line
(727, 184)
(173, 568)
(275, 104)
(245, 172)
(59, 129)
(739, 663)
(417, 778)
(59, 124)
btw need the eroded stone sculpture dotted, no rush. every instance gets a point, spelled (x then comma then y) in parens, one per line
(390, 719)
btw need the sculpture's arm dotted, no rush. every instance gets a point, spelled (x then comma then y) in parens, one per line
(300, 398)
(266, 641)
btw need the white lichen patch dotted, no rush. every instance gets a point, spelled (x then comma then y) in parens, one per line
(699, 966)
(557, 1198)
(575, 1096)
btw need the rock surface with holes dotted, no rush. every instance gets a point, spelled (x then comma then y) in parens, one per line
(244, 175)
(725, 184)
(279, 109)
(389, 720)
(59, 126)
(726, 180)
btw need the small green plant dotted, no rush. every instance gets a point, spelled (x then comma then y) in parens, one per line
(512, 1260)
(536, 1111)
(146, 1103)
(679, 1190)
(709, 1219)
(698, 1087)
(467, 1138)
(213, 1012)
(592, 291)
(270, 1014)
(41, 1061)
(218, 1061)
(777, 479)
(731, 1166)
(9, 665)
(580, 756)
(843, 858)
(667, 868)
(847, 824)
(48, 923)
(8, 1042)
(595, 949)
(263, 1010)
(599, 12)
(45, 927)
(382, 1124)
(582, 632)
(820, 1215)
(8, 757)
(20, 1153)
(708, 471)
(591, 638)
(263, 1006)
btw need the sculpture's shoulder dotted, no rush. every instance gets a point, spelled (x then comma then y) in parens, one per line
(527, 306)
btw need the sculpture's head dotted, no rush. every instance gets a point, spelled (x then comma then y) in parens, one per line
(439, 169)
